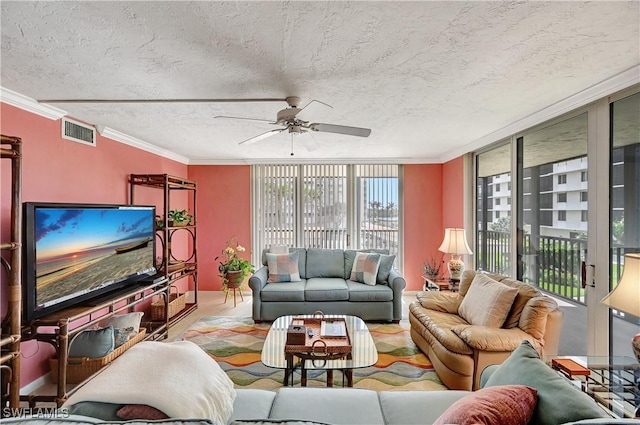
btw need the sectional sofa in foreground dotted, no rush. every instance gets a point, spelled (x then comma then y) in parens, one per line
(181, 381)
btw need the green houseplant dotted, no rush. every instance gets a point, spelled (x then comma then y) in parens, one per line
(232, 268)
(179, 218)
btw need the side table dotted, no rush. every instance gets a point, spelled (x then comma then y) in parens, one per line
(437, 284)
(613, 382)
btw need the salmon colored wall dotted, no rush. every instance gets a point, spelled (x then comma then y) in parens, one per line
(453, 193)
(453, 200)
(59, 170)
(422, 221)
(223, 211)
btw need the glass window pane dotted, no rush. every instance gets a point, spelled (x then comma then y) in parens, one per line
(554, 227)
(625, 208)
(493, 216)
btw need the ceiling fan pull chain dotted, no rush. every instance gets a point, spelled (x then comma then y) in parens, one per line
(291, 144)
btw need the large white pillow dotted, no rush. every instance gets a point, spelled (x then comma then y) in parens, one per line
(177, 378)
(487, 303)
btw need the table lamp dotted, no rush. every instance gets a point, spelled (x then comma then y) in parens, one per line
(455, 243)
(626, 295)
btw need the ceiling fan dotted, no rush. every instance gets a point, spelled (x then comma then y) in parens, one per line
(291, 120)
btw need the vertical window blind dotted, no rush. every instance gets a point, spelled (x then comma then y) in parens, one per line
(336, 206)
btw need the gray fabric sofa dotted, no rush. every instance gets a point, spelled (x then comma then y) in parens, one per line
(325, 286)
(558, 402)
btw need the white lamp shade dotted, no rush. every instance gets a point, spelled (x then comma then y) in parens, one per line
(626, 296)
(455, 242)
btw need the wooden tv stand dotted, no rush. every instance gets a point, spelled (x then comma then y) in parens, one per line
(60, 327)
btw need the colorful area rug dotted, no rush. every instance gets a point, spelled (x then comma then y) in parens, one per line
(236, 343)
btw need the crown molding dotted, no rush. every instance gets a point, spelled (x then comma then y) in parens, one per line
(31, 105)
(118, 136)
(260, 161)
(598, 91)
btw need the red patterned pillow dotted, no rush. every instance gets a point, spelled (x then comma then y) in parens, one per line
(140, 411)
(504, 405)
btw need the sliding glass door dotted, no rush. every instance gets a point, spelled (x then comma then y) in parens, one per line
(624, 210)
(553, 205)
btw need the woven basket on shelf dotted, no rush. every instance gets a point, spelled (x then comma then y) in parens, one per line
(80, 368)
(177, 303)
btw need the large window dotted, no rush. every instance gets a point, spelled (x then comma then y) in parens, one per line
(327, 206)
(493, 222)
(561, 220)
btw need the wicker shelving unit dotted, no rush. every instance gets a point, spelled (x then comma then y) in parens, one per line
(11, 149)
(172, 268)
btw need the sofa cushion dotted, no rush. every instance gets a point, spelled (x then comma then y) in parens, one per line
(525, 293)
(330, 405)
(252, 403)
(416, 407)
(326, 289)
(365, 268)
(283, 291)
(524, 367)
(438, 325)
(325, 263)
(283, 267)
(360, 292)
(533, 319)
(487, 302)
(504, 405)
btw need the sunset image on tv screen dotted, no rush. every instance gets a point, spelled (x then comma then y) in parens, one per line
(81, 250)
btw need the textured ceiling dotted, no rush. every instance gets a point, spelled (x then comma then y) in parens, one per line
(429, 78)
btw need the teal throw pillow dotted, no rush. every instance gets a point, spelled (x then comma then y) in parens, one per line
(93, 343)
(386, 264)
(559, 401)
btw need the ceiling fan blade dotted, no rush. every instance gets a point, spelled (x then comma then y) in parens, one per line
(308, 141)
(262, 136)
(243, 118)
(340, 129)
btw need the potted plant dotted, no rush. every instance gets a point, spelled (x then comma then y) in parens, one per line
(179, 218)
(433, 267)
(233, 268)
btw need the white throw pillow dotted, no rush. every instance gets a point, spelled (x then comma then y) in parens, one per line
(487, 302)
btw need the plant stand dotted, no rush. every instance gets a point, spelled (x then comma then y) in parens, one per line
(234, 281)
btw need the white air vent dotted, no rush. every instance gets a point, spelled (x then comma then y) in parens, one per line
(78, 132)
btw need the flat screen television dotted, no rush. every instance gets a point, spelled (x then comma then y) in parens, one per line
(77, 252)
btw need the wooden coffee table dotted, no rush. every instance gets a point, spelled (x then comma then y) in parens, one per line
(363, 352)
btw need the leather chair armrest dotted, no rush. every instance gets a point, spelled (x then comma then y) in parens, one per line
(484, 338)
(446, 302)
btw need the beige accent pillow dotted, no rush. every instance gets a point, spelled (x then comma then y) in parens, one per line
(487, 302)
(465, 281)
(525, 293)
(533, 319)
